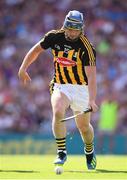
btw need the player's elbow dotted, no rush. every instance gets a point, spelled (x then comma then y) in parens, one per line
(36, 50)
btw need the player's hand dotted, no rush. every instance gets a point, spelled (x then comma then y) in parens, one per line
(24, 76)
(93, 105)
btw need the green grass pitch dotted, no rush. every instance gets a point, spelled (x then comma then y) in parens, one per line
(41, 167)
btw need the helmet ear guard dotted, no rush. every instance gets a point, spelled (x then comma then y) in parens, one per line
(74, 20)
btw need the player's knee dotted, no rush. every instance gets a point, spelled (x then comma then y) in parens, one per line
(58, 113)
(84, 129)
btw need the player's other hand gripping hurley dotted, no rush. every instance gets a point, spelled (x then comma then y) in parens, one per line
(24, 76)
(93, 106)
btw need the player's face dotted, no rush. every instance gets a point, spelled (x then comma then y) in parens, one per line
(72, 34)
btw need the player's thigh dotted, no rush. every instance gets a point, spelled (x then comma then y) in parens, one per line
(82, 120)
(59, 101)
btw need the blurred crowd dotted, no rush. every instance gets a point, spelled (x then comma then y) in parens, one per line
(23, 23)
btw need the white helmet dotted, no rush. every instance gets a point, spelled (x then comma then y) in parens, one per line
(74, 20)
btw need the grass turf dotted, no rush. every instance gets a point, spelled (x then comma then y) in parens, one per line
(41, 167)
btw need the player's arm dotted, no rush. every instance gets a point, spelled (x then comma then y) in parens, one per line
(45, 43)
(30, 57)
(90, 69)
(92, 86)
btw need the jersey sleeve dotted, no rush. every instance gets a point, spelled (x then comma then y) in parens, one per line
(47, 41)
(89, 56)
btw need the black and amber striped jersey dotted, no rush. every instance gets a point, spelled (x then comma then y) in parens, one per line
(70, 57)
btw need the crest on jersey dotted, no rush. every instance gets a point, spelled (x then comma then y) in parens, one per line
(57, 46)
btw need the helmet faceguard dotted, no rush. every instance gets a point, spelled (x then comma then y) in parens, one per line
(74, 20)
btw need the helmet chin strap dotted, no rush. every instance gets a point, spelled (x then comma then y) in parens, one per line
(69, 39)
